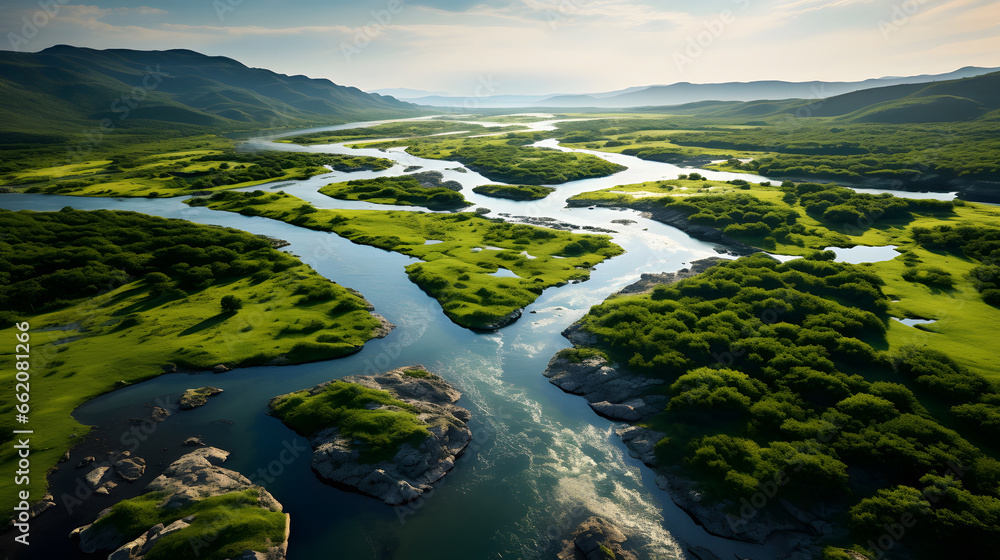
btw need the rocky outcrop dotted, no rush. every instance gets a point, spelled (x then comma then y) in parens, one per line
(193, 398)
(647, 282)
(194, 477)
(610, 392)
(412, 470)
(501, 322)
(597, 539)
(117, 468)
(384, 326)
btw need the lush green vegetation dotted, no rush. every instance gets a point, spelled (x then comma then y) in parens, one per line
(405, 190)
(793, 217)
(902, 152)
(400, 129)
(224, 526)
(458, 271)
(506, 158)
(977, 242)
(172, 168)
(134, 293)
(346, 406)
(514, 192)
(778, 372)
(928, 282)
(784, 146)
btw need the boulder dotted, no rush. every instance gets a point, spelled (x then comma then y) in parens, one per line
(130, 469)
(193, 398)
(597, 539)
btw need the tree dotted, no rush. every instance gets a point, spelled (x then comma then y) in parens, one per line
(230, 304)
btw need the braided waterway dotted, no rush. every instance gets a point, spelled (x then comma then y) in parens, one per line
(540, 462)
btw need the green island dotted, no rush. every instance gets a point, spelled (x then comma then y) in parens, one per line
(507, 157)
(172, 168)
(419, 189)
(379, 431)
(114, 298)
(458, 268)
(515, 192)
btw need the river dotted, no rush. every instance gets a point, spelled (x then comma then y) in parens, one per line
(540, 460)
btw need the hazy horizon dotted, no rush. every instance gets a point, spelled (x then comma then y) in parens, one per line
(531, 47)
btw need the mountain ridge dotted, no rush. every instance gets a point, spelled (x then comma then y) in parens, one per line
(64, 88)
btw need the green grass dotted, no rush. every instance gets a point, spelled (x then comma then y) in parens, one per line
(457, 271)
(400, 191)
(418, 373)
(224, 525)
(377, 433)
(514, 192)
(171, 167)
(126, 333)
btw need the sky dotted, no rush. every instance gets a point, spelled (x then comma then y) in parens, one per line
(502, 47)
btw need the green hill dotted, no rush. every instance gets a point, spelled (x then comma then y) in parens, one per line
(64, 91)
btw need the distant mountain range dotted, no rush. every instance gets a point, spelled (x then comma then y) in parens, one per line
(945, 101)
(64, 89)
(683, 92)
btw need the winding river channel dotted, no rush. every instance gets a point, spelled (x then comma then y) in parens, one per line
(540, 461)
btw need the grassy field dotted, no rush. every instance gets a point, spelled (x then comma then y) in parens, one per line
(458, 270)
(131, 329)
(172, 167)
(964, 319)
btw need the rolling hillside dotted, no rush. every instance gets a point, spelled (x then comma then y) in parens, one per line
(65, 90)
